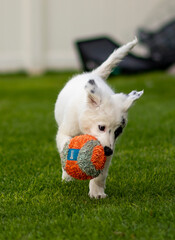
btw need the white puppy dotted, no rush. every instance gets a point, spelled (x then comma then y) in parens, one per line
(87, 105)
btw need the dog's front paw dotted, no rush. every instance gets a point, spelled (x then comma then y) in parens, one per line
(97, 195)
(96, 191)
(66, 177)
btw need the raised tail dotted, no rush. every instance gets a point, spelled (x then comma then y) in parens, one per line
(114, 59)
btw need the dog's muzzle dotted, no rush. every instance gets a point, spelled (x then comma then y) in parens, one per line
(108, 151)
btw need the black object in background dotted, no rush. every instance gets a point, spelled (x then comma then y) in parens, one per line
(160, 43)
(93, 52)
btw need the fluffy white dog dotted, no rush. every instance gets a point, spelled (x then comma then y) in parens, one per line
(87, 105)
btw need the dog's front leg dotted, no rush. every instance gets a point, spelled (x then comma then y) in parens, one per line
(97, 185)
(61, 139)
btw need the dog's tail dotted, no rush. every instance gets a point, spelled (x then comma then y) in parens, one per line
(115, 58)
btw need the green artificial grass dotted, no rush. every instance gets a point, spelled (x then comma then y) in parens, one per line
(35, 204)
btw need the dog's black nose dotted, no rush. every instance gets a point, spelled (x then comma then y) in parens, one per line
(108, 151)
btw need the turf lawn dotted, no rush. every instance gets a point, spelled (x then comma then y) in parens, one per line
(35, 204)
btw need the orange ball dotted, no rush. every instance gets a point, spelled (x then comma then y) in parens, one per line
(83, 157)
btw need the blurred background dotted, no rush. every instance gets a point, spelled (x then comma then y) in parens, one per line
(40, 35)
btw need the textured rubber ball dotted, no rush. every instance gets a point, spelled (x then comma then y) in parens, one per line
(83, 157)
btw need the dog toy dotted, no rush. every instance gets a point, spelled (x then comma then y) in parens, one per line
(83, 157)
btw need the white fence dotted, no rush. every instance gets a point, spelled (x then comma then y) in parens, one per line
(39, 34)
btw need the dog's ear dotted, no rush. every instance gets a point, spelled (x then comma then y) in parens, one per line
(125, 101)
(130, 99)
(93, 93)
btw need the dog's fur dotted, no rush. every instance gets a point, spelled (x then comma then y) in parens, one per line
(87, 105)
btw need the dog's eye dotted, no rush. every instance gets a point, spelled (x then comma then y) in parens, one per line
(118, 131)
(101, 128)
